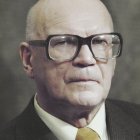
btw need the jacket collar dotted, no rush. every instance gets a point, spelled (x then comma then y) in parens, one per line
(120, 124)
(30, 126)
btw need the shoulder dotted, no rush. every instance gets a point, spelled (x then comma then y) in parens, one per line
(16, 126)
(127, 108)
(124, 105)
(7, 132)
(26, 126)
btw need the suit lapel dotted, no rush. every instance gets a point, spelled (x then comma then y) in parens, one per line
(121, 126)
(30, 127)
(48, 136)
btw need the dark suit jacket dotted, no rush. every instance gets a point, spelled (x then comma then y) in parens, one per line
(123, 123)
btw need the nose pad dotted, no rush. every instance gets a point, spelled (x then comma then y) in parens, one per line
(84, 57)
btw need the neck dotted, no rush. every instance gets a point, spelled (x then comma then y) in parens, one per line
(76, 115)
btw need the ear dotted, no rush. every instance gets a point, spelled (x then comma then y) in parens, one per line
(26, 57)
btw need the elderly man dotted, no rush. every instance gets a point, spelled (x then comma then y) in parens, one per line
(70, 52)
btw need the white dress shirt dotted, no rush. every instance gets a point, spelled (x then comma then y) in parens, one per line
(65, 131)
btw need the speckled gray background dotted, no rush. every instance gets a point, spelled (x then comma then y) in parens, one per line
(15, 87)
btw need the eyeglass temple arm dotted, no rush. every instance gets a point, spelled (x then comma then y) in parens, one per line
(39, 43)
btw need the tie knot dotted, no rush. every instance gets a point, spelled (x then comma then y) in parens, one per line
(87, 134)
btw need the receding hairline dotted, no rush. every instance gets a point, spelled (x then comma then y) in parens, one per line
(34, 16)
(36, 19)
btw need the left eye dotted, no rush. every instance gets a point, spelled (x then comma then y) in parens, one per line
(97, 41)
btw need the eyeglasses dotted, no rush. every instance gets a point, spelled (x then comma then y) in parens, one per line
(66, 47)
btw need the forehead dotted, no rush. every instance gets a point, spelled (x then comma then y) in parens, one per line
(71, 16)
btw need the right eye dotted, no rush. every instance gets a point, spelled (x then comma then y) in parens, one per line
(54, 42)
(60, 42)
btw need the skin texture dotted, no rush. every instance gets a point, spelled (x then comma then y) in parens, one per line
(72, 91)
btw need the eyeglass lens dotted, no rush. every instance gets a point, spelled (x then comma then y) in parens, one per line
(64, 47)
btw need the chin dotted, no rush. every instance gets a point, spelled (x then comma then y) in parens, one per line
(89, 98)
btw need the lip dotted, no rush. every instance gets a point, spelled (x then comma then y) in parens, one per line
(82, 80)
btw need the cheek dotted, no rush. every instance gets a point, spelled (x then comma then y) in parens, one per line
(54, 79)
(49, 77)
(107, 71)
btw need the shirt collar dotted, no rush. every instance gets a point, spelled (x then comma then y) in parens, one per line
(65, 131)
(98, 124)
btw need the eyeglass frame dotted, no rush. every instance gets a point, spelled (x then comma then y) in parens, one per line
(81, 41)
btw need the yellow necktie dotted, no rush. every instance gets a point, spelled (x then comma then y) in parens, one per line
(87, 134)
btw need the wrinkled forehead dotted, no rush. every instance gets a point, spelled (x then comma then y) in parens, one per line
(51, 13)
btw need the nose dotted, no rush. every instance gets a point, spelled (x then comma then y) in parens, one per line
(84, 58)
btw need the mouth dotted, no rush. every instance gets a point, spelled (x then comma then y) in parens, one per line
(82, 80)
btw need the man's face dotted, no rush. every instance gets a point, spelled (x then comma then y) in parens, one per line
(84, 80)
